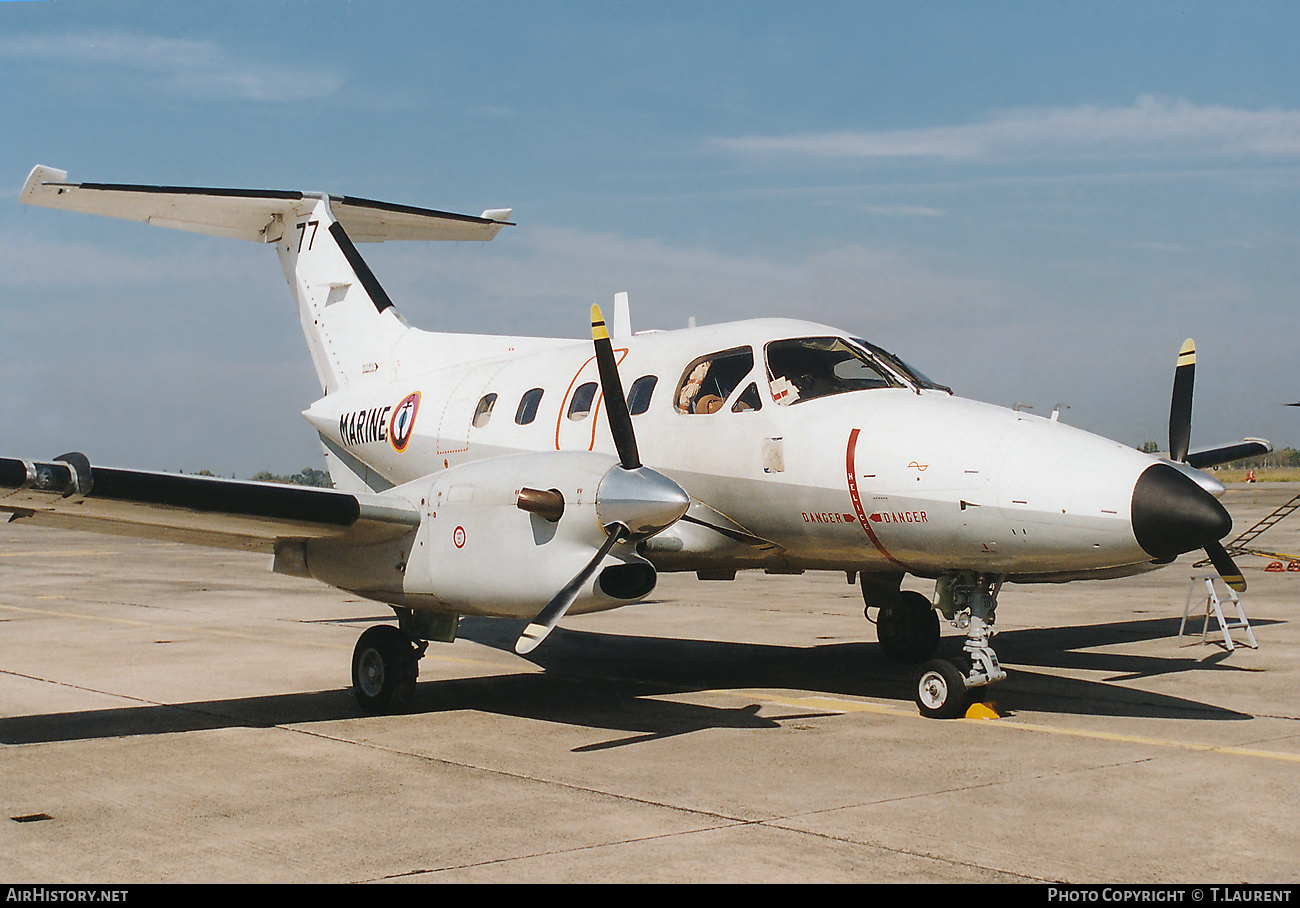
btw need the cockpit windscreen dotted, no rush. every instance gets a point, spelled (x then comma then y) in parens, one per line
(807, 368)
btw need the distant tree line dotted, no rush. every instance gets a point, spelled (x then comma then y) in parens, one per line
(307, 477)
(1283, 457)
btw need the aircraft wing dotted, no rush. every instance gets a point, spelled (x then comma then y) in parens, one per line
(223, 513)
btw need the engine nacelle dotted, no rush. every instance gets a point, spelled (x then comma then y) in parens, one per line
(477, 552)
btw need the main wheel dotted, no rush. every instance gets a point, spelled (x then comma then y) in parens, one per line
(941, 690)
(908, 632)
(384, 669)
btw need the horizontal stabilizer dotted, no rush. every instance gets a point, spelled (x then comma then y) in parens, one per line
(223, 513)
(252, 214)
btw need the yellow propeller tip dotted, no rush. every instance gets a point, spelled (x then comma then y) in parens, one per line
(598, 329)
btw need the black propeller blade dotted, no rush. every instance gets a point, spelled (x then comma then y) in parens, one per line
(632, 501)
(1180, 408)
(1180, 437)
(548, 617)
(1251, 447)
(620, 421)
(1224, 565)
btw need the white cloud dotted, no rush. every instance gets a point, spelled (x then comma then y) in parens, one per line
(177, 66)
(543, 282)
(1150, 125)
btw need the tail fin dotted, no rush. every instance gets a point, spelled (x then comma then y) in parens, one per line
(349, 321)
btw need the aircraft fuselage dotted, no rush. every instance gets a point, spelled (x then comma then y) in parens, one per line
(885, 479)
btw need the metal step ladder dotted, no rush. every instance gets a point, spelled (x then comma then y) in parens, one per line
(1214, 608)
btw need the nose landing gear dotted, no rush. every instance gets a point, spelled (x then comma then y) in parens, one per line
(943, 690)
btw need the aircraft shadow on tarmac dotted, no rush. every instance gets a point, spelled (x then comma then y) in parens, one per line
(615, 683)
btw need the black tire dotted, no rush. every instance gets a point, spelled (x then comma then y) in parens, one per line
(384, 669)
(908, 632)
(941, 690)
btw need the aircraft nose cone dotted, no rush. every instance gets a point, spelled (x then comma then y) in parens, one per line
(1172, 514)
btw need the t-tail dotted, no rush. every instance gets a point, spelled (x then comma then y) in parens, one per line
(350, 323)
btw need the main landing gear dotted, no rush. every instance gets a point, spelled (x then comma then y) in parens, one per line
(385, 665)
(907, 626)
(908, 629)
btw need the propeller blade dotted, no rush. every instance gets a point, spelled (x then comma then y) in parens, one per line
(548, 617)
(1224, 565)
(620, 421)
(1251, 447)
(1180, 408)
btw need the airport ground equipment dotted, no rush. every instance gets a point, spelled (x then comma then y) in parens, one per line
(1214, 607)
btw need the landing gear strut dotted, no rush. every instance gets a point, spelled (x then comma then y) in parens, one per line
(943, 690)
(385, 665)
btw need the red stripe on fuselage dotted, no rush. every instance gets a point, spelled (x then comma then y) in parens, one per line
(857, 502)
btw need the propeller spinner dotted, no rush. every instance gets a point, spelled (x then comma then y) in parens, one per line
(632, 502)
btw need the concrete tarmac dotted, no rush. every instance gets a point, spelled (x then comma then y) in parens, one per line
(172, 714)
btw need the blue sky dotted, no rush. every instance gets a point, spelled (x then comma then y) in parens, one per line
(1035, 202)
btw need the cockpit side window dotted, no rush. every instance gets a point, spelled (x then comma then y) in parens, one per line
(807, 368)
(708, 381)
(749, 399)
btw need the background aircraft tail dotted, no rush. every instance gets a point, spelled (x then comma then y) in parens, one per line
(350, 323)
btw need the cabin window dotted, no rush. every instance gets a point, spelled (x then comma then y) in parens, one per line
(580, 406)
(807, 368)
(638, 397)
(527, 411)
(483, 412)
(708, 381)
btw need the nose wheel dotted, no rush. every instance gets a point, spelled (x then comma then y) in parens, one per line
(941, 690)
(944, 690)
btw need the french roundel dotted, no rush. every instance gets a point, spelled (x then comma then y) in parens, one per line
(402, 422)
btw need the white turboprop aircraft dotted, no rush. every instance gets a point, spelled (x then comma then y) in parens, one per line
(472, 477)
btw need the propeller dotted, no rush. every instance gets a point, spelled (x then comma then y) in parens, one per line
(1180, 421)
(1180, 436)
(633, 502)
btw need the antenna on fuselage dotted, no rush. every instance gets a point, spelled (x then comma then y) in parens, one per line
(620, 326)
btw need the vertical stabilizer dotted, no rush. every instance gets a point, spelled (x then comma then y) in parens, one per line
(348, 320)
